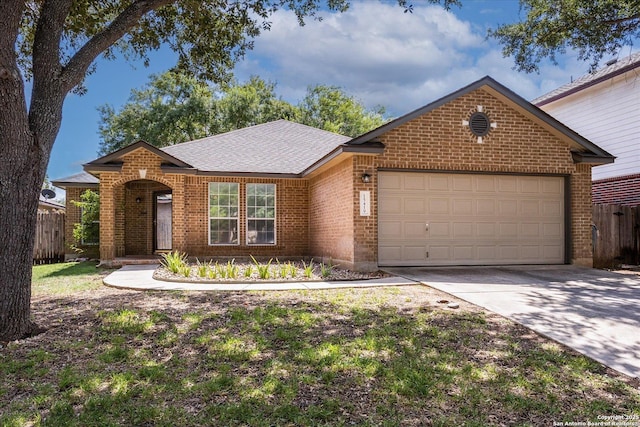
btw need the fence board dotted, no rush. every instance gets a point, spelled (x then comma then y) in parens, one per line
(616, 235)
(49, 238)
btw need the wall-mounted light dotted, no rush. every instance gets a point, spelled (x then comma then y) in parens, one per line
(138, 200)
(366, 178)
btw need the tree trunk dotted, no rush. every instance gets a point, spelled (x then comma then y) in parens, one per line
(25, 146)
(23, 163)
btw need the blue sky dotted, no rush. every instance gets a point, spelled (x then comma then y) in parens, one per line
(375, 52)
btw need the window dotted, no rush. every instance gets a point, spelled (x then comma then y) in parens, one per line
(90, 232)
(261, 214)
(223, 213)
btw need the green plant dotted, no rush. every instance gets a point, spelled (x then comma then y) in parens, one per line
(203, 268)
(231, 270)
(326, 269)
(174, 261)
(283, 269)
(185, 270)
(307, 269)
(293, 270)
(211, 272)
(220, 271)
(248, 271)
(87, 231)
(263, 269)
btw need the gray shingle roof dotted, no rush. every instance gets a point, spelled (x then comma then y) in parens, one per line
(79, 179)
(621, 66)
(281, 147)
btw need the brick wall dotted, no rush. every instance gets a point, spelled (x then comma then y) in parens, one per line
(320, 216)
(331, 214)
(438, 141)
(120, 215)
(291, 219)
(128, 226)
(623, 190)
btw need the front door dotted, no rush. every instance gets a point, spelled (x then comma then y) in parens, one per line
(162, 221)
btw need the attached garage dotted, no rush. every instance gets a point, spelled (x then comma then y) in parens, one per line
(470, 219)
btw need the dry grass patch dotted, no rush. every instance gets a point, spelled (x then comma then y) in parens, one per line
(366, 357)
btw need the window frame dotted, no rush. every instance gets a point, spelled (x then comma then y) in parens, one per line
(210, 218)
(273, 219)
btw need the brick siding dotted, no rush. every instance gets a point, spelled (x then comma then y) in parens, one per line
(438, 141)
(623, 190)
(320, 216)
(331, 214)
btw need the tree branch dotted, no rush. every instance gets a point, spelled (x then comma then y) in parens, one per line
(76, 68)
(46, 44)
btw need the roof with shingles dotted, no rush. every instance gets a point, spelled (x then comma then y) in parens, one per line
(279, 147)
(78, 180)
(619, 67)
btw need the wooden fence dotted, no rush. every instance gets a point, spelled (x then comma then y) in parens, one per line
(616, 235)
(49, 239)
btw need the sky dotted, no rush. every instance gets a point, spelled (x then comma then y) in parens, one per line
(374, 51)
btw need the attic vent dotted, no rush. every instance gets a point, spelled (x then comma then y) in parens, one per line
(479, 123)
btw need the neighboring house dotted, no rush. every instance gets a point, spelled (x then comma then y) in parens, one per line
(478, 177)
(45, 205)
(604, 107)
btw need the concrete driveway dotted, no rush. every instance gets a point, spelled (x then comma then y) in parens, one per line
(593, 311)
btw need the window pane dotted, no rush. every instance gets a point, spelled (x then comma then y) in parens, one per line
(260, 231)
(223, 213)
(261, 214)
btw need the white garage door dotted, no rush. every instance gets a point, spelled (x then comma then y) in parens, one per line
(466, 219)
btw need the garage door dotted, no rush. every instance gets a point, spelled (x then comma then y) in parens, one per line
(466, 219)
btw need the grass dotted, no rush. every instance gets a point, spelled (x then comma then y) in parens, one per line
(372, 357)
(66, 278)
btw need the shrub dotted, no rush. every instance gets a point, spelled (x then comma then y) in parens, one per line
(174, 261)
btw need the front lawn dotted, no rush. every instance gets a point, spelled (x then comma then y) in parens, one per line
(365, 357)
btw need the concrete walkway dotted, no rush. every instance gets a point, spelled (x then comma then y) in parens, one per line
(140, 277)
(595, 312)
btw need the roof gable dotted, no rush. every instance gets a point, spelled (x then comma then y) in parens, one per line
(115, 159)
(590, 151)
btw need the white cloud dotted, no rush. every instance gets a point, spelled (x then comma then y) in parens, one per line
(383, 56)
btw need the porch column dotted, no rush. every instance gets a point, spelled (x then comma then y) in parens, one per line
(107, 222)
(179, 215)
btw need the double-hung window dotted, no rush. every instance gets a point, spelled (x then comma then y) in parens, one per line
(261, 214)
(223, 213)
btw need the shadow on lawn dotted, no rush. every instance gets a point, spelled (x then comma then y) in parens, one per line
(363, 357)
(73, 269)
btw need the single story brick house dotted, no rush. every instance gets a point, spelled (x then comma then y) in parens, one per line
(478, 177)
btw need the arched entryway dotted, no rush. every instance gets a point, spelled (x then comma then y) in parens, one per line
(148, 215)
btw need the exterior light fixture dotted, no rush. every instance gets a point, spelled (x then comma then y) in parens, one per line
(366, 178)
(138, 200)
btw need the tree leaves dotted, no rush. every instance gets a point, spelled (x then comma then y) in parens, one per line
(592, 27)
(174, 108)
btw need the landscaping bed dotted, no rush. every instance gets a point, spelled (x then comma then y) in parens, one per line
(176, 268)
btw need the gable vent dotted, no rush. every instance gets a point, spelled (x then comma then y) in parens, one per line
(479, 124)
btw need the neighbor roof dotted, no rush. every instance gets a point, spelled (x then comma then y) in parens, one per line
(279, 147)
(621, 66)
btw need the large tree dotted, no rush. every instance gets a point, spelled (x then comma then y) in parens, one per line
(331, 108)
(174, 108)
(55, 43)
(593, 28)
